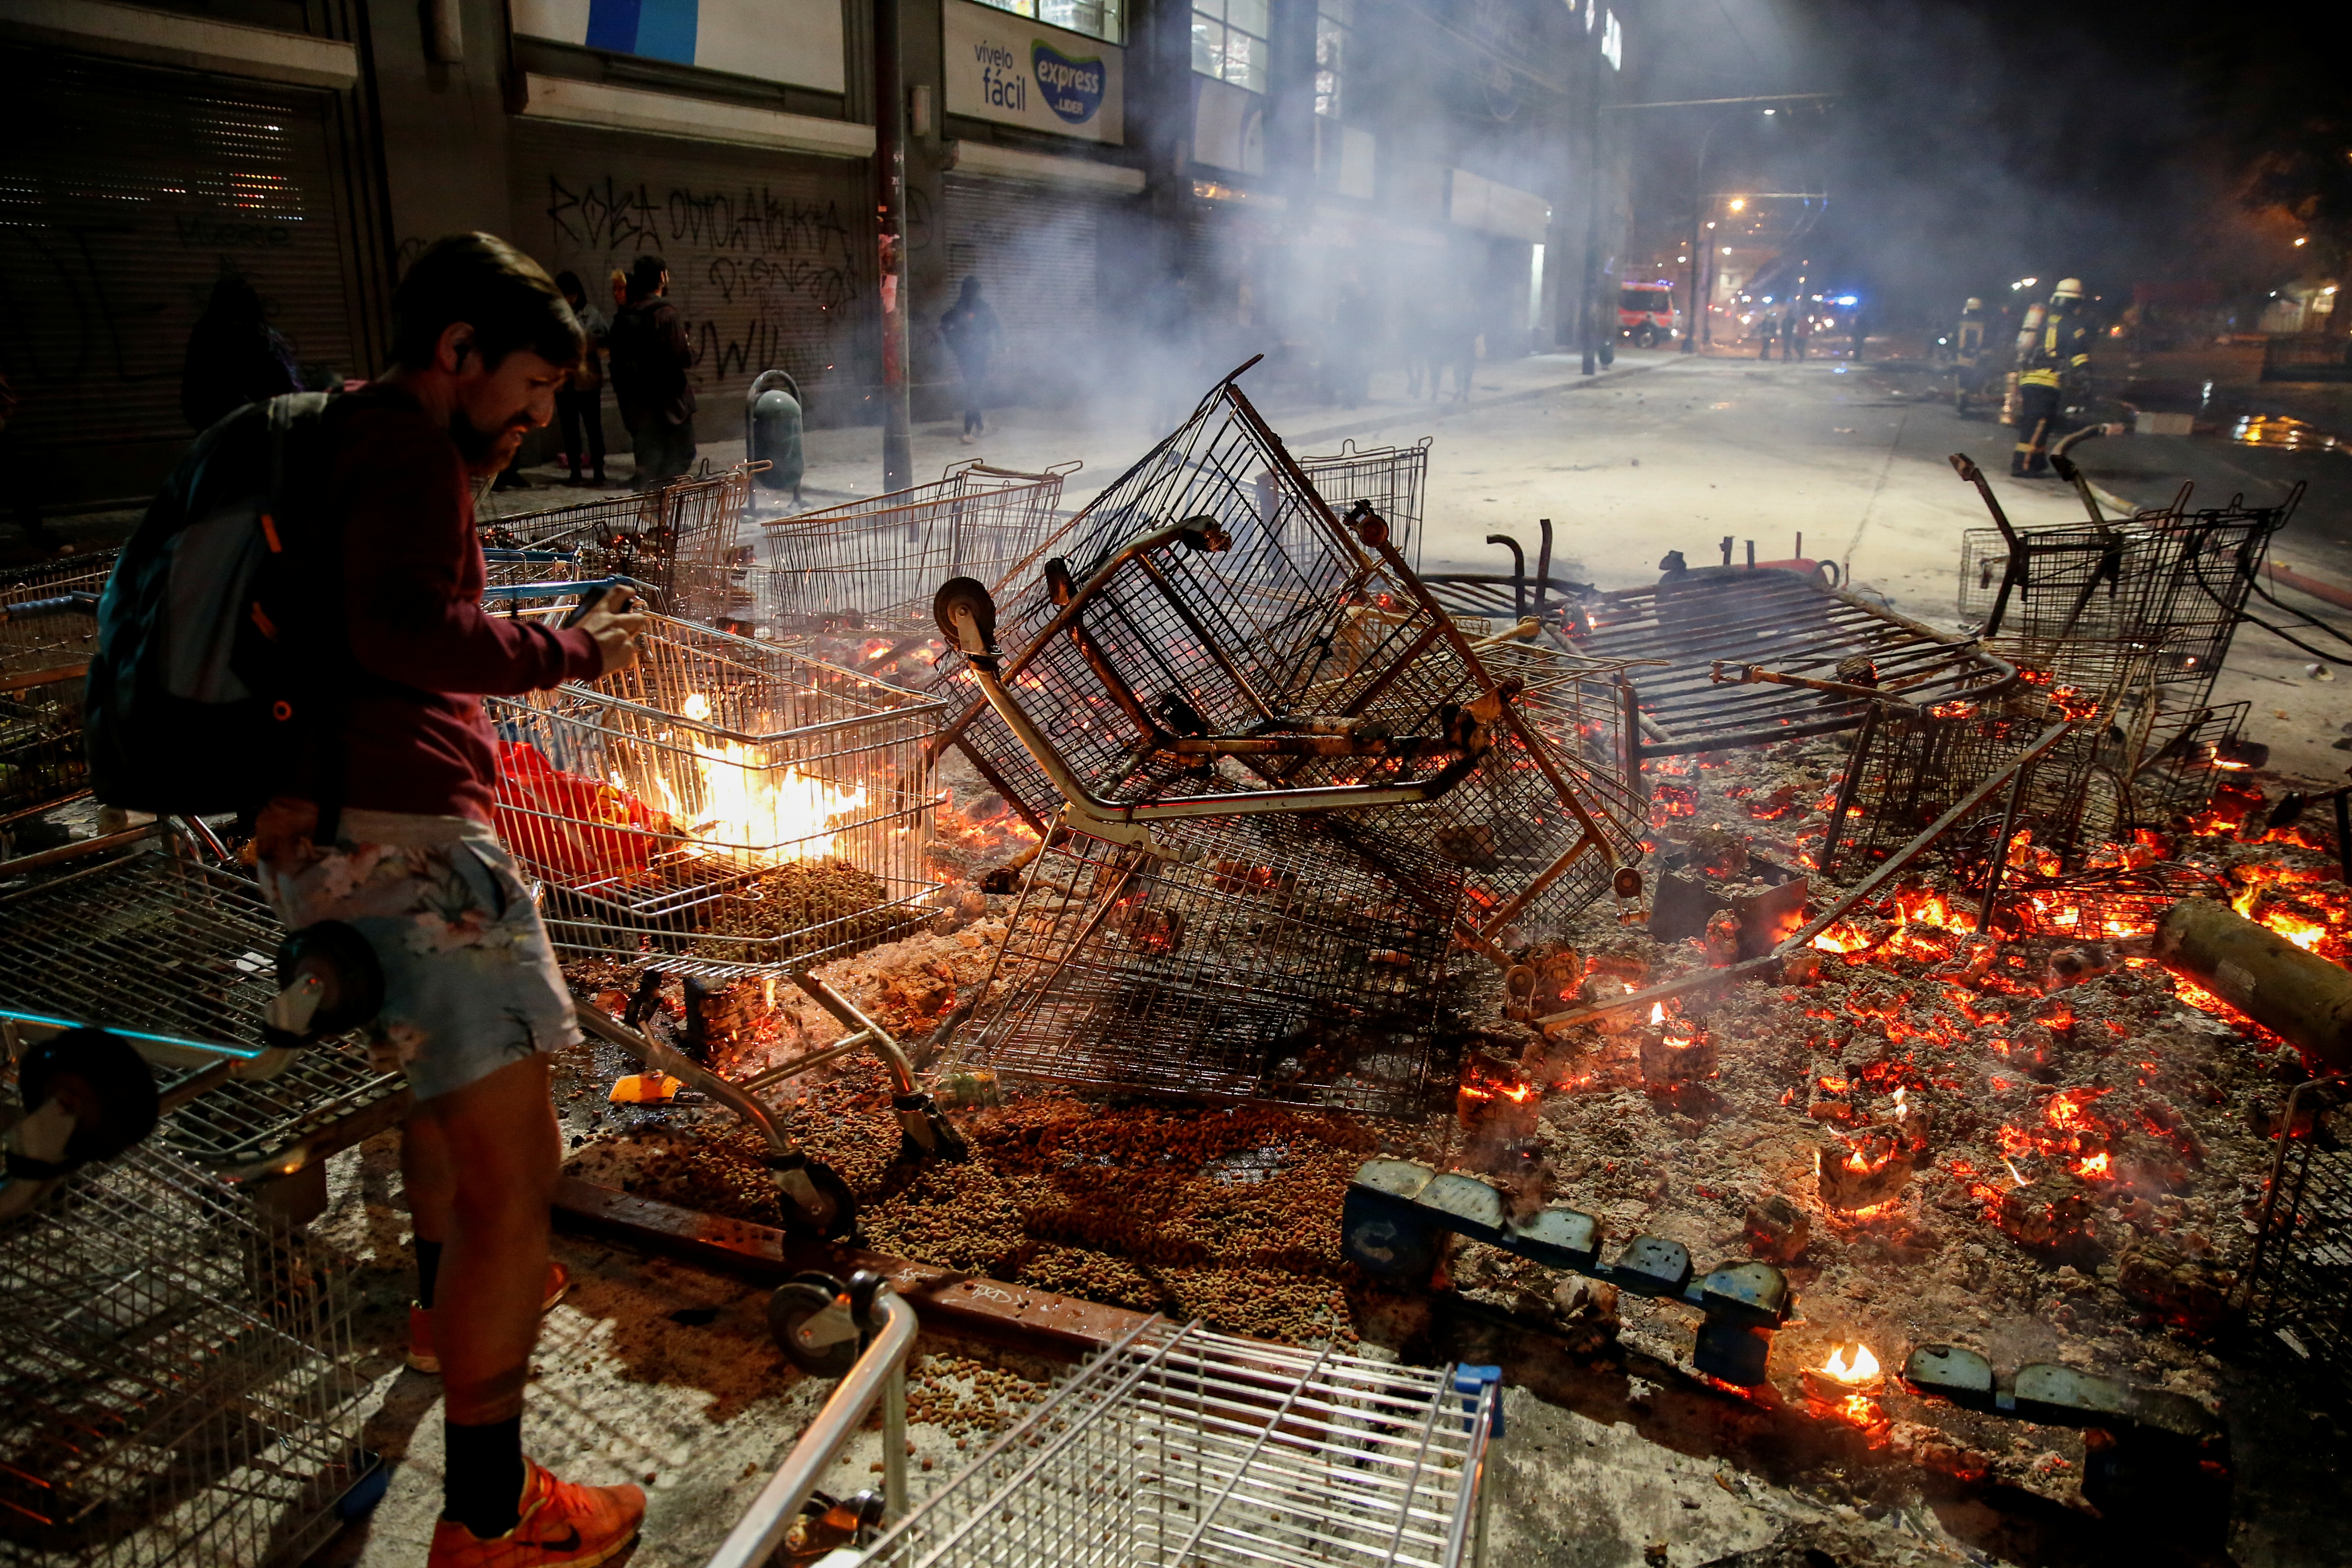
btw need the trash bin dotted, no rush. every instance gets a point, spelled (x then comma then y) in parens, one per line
(772, 430)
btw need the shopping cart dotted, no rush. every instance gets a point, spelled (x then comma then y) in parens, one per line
(1217, 642)
(1177, 1446)
(879, 561)
(678, 540)
(48, 628)
(179, 957)
(1391, 479)
(1289, 959)
(724, 805)
(180, 1384)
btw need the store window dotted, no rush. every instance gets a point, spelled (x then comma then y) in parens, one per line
(1333, 21)
(1229, 41)
(1104, 19)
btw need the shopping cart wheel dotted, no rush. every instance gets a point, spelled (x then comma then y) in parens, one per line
(816, 1200)
(809, 1316)
(960, 598)
(331, 981)
(106, 1086)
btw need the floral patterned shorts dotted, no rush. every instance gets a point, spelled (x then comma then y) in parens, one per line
(470, 983)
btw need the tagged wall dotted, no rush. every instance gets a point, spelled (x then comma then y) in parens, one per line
(771, 256)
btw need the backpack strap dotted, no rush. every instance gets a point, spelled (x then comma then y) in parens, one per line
(325, 701)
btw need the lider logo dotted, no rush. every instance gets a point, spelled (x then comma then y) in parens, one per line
(1073, 89)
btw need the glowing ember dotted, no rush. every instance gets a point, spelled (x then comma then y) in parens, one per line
(751, 814)
(1851, 1364)
(2094, 1167)
(1657, 1013)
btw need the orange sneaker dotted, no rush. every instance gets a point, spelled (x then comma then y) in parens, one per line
(420, 1320)
(563, 1522)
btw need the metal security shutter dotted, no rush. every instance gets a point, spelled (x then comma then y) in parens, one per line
(771, 256)
(124, 193)
(1036, 250)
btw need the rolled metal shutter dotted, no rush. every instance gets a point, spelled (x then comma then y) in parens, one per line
(1036, 250)
(125, 193)
(771, 256)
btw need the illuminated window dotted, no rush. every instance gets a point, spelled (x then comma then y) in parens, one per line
(1104, 19)
(1333, 18)
(1229, 41)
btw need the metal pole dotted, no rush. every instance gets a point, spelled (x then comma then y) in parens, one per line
(1589, 313)
(890, 210)
(2001, 850)
(1698, 237)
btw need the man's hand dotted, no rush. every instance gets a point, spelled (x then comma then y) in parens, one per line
(282, 833)
(615, 634)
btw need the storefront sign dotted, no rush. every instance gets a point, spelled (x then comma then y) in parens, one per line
(794, 41)
(1010, 69)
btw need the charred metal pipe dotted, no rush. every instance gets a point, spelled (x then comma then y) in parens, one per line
(1726, 672)
(2298, 995)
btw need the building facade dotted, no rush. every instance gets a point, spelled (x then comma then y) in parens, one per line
(1148, 189)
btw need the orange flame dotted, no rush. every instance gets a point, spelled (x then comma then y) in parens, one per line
(1850, 1365)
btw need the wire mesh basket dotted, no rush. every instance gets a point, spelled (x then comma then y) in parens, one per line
(1216, 640)
(880, 560)
(2295, 1285)
(180, 1385)
(679, 539)
(1183, 1447)
(35, 649)
(723, 800)
(1287, 959)
(181, 957)
(1393, 478)
(1908, 770)
(44, 655)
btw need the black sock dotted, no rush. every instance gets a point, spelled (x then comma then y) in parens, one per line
(481, 1476)
(428, 1269)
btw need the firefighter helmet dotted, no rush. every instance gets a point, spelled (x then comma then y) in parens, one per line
(2068, 289)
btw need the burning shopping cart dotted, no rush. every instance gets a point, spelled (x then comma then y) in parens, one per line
(725, 806)
(680, 540)
(879, 561)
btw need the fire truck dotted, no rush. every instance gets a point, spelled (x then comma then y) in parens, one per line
(1646, 314)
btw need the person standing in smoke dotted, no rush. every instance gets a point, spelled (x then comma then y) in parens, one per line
(1969, 356)
(1795, 328)
(1172, 352)
(1860, 326)
(1355, 329)
(972, 336)
(2053, 369)
(1768, 328)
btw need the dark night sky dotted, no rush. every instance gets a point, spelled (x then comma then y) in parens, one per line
(1974, 144)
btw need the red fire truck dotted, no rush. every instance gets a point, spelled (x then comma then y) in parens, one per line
(1646, 314)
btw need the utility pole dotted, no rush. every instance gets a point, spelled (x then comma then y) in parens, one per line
(890, 212)
(1589, 311)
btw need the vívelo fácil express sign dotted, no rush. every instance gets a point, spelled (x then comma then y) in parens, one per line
(1019, 72)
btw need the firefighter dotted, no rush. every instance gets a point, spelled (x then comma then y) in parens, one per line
(2053, 364)
(1967, 356)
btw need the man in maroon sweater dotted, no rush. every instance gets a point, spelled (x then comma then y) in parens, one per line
(474, 1002)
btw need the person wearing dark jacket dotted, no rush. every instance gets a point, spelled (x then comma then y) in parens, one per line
(234, 356)
(651, 353)
(579, 404)
(972, 336)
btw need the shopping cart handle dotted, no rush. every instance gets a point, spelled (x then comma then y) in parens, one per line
(532, 557)
(583, 587)
(62, 604)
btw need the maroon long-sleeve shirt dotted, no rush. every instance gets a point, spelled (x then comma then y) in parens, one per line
(414, 736)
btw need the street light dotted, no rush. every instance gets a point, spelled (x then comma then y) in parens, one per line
(1698, 188)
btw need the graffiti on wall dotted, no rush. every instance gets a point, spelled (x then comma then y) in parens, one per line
(764, 278)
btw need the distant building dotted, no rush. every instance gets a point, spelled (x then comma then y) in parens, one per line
(1074, 154)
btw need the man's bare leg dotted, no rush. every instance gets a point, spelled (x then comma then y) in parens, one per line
(498, 1136)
